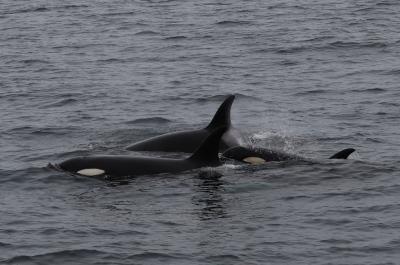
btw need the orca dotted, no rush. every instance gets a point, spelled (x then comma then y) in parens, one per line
(344, 154)
(253, 155)
(188, 141)
(107, 166)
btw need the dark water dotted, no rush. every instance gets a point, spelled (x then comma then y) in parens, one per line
(311, 78)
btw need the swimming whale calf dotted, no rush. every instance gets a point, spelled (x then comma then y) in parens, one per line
(188, 141)
(103, 167)
(254, 155)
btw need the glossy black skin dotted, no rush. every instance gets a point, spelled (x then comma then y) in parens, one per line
(239, 153)
(188, 141)
(118, 166)
(128, 166)
(344, 154)
(185, 141)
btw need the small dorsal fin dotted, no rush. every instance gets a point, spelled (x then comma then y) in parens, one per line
(344, 154)
(207, 152)
(223, 115)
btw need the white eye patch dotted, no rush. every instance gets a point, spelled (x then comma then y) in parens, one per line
(90, 172)
(254, 160)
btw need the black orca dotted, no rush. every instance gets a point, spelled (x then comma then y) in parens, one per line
(103, 167)
(254, 155)
(344, 154)
(188, 141)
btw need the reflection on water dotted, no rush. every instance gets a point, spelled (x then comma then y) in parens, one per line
(209, 197)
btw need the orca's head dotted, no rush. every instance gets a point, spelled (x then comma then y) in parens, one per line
(244, 154)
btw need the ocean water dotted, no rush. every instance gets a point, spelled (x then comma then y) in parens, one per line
(310, 77)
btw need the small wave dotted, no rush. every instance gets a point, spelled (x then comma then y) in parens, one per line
(147, 33)
(167, 223)
(395, 72)
(39, 131)
(288, 62)
(152, 255)
(224, 259)
(37, 9)
(385, 248)
(66, 255)
(120, 14)
(389, 104)
(82, 151)
(232, 23)
(34, 61)
(343, 44)
(20, 175)
(81, 46)
(63, 231)
(51, 131)
(45, 9)
(152, 120)
(362, 10)
(295, 197)
(13, 96)
(60, 103)
(289, 50)
(319, 38)
(336, 241)
(72, 6)
(375, 140)
(376, 90)
(286, 6)
(311, 92)
(375, 209)
(111, 60)
(330, 221)
(330, 46)
(160, 1)
(28, 174)
(2, 244)
(100, 231)
(175, 38)
(176, 82)
(387, 3)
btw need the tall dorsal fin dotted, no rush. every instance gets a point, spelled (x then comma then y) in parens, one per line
(344, 154)
(223, 115)
(207, 152)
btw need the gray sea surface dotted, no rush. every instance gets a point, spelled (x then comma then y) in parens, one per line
(310, 78)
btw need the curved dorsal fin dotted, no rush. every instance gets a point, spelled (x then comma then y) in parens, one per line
(207, 152)
(223, 115)
(344, 154)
